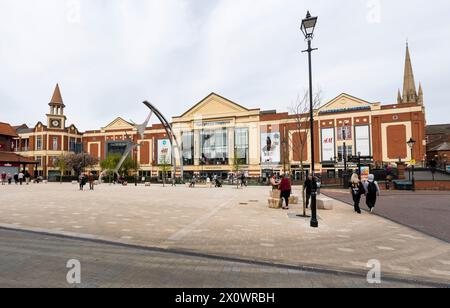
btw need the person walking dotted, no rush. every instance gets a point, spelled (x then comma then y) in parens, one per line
(91, 181)
(21, 177)
(357, 190)
(372, 192)
(82, 181)
(307, 186)
(9, 178)
(286, 189)
(243, 180)
(193, 180)
(3, 177)
(27, 177)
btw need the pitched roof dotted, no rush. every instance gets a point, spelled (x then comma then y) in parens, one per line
(443, 129)
(445, 146)
(212, 94)
(7, 130)
(10, 157)
(57, 97)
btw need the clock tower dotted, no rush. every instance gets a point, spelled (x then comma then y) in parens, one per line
(56, 118)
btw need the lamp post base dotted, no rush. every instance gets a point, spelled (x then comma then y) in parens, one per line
(314, 221)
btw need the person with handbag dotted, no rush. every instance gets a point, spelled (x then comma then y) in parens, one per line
(357, 190)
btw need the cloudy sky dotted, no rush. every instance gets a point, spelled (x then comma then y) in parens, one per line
(110, 55)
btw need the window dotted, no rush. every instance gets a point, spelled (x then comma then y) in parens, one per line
(341, 152)
(143, 173)
(39, 161)
(241, 145)
(344, 133)
(26, 145)
(52, 160)
(214, 147)
(38, 143)
(55, 143)
(72, 144)
(188, 148)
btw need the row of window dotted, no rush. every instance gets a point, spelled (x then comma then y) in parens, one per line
(54, 144)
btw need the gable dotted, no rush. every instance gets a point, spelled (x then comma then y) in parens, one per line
(118, 124)
(214, 104)
(345, 102)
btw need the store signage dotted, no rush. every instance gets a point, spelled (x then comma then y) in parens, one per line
(341, 110)
(9, 165)
(214, 123)
(328, 144)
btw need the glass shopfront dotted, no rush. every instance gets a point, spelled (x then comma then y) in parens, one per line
(214, 147)
(241, 145)
(188, 148)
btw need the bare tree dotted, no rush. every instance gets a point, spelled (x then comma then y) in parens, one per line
(300, 111)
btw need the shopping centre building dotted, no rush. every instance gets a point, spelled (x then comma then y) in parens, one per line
(219, 136)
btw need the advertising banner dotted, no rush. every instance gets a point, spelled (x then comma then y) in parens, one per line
(164, 152)
(365, 171)
(328, 144)
(362, 140)
(270, 148)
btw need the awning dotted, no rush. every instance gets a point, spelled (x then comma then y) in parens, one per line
(13, 158)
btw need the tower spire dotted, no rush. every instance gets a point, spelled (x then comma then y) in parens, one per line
(57, 97)
(420, 94)
(409, 85)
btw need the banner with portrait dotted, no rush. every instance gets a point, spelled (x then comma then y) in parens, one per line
(270, 148)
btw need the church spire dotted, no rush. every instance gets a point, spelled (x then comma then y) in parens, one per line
(420, 98)
(409, 85)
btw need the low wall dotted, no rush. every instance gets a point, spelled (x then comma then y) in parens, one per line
(424, 185)
(433, 185)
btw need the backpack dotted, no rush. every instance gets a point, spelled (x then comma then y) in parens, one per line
(372, 188)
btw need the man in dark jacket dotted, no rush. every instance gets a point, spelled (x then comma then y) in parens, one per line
(308, 187)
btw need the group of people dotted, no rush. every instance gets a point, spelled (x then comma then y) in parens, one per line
(369, 188)
(285, 187)
(215, 180)
(83, 179)
(19, 178)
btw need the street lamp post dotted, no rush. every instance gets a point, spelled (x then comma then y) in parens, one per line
(308, 26)
(411, 144)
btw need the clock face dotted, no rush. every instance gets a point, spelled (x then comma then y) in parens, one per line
(56, 123)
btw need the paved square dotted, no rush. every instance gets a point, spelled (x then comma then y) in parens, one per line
(226, 222)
